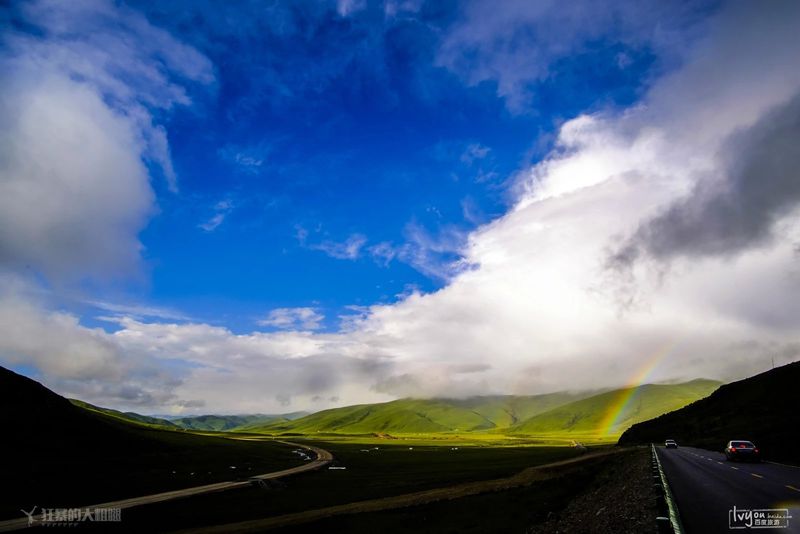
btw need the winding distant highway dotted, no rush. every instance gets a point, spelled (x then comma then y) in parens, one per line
(322, 458)
(706, 487)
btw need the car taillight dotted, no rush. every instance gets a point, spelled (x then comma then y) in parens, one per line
(755, 451)
(733, 449)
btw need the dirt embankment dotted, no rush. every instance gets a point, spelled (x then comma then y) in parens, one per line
(620, 500)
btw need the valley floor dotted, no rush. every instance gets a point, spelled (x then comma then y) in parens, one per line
(433, 489)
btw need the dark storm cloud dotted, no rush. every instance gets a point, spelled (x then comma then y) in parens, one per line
(736, 211)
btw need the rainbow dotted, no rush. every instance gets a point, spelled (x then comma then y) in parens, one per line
(620, 404)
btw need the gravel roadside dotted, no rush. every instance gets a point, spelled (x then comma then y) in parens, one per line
(620, 500)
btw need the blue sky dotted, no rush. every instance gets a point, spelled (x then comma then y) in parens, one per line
(251, 207)
(320, 127)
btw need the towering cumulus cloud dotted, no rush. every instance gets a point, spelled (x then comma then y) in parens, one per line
(80, 152)
(78, 137)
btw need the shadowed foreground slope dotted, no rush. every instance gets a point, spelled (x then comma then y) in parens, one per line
(57, 454)
(763, 408)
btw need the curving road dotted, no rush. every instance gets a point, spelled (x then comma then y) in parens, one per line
(706, 487)
(322, 458)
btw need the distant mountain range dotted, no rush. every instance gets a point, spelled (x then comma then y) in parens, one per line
(127, 416)
(577, 415)
(225, 423)
(763, 408)
(588, 415)
(217, 423)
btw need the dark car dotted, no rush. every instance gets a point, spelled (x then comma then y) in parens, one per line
(742, 450)
(670, 444)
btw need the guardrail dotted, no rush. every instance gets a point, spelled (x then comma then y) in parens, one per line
(668, 520)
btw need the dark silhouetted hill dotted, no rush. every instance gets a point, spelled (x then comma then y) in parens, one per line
(133, 417)
(56, 454)
(764, 409)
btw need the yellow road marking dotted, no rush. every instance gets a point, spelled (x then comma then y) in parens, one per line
(757, 476)
(792, 488)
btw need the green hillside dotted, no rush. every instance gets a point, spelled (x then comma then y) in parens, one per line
(762, 409)
(508, 410)
(224, 423)
(581, 416)
(216, 423)
(401, 416)
(610, 413)
(424, 416)
(132, 417)
(570, 415)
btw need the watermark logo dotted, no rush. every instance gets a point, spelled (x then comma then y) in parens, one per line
(68, 517)
(742, 518)
(31, 519)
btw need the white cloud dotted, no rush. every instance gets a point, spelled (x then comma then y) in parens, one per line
(383, 253)
(221, 210)
(76, 360)
(64, 208)
(349, 249)
(541, 307)
(345, 8)
(138, 310)
(437, 255)
(516, 45)
(246, 159)
(76, 131)
(474, 152)
(395, 8)
(238, 373)
(303, 318)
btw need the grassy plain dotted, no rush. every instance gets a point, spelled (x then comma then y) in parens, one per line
(393, 468)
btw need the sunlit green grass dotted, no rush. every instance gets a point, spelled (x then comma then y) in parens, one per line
(430, 439)
(551, 420)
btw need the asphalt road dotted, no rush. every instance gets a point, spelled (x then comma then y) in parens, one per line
(322, 458)
(706, 487)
